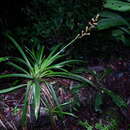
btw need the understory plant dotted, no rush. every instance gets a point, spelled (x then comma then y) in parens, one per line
(99, 82)
(97, 79)
(35, 68)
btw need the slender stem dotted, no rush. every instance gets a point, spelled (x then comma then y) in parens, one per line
(68, 44)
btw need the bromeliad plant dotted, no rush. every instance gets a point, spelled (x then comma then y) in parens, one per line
(35, 67)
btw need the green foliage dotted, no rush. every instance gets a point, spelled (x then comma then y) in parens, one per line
(98, 85)
(112, 126)
(110, 20)
(53, 20)
(35, 67)
(117, 5)
(86, 125)
(99, 126)
(16, 110)
(52, 104)
(117, 22)
(3, 59)
(98, 102)
(117, 99)
(99, 99)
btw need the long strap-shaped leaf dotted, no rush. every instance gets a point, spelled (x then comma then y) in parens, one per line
(12, 88)
(53, 93)
(19, 48)
(71, 76)
(25, 107)
(15, 75)
(36, 94)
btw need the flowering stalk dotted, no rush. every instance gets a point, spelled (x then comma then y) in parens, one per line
(86, 32)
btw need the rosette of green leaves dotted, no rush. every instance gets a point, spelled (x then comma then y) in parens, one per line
(35, 68)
